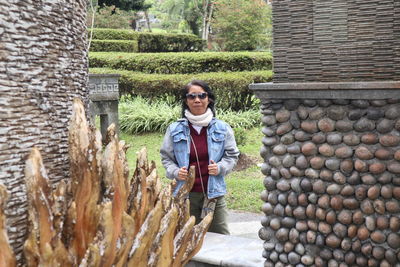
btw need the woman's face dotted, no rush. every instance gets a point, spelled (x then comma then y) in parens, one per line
(197, 106)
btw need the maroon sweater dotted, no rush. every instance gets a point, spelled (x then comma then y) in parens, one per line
(200, 141)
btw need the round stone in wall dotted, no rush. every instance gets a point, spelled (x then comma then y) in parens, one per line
(309, 102)
(385, 126)
(268, 131)
(364, 153)
(318, 138)
(384, 154)
(269, 141)
(302, 112)
(369, 138)
(332, 164)
(343, 152)
(316, 114)
(378, 102)
(394, 167)
(375, 113)
(309, 126)
(351, 139)
(333, 241)
(287, 139)
(336, 112)
(394, 240)
(309, 149)
(268, 120)
(356, 114)
(334, 138)
(284, 128)
(294, 120)
(291, 104)
(393, 112)
(326, 125)
(389, 140)
(344, 126)
(379, 206)
(326, 150)
(364, 125)
(282, 115)
(360, 103)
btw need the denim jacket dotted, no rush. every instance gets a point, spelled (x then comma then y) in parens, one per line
(222, 149)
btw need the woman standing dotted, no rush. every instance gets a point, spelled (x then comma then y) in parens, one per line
(201, 140)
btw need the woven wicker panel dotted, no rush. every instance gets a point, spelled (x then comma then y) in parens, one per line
(336, 40)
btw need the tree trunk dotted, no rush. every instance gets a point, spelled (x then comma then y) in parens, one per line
(146, 15)
(43, 67)
(7, 258)
(208, 24)
(208, 9)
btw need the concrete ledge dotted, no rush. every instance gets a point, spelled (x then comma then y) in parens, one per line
(232, 251)
(327, 90)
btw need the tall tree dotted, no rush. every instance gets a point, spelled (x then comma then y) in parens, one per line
(196, 13)
(208, 8)
(241, 24)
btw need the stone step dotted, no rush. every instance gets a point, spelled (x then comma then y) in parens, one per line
(228, 250)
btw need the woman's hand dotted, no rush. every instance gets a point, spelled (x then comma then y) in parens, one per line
(213, 168)
(182, 174)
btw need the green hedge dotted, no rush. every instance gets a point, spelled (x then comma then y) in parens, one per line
(167, 42)
(184, 62)
(152, 42)
(114, 46)
(113, 34)
(231, 88)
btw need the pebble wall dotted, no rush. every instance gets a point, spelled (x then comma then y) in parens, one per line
(43, 66)
(332, 179)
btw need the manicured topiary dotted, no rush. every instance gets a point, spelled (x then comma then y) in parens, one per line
(231, 88)
(147, 42)
(185, 62)
(114, 46)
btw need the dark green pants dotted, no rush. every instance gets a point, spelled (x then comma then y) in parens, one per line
(219, 223)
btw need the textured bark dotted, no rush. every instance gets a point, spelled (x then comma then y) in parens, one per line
(43, 66)
(7, 258)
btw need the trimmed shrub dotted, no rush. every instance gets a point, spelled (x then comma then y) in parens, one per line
(139, 115)
(114, 46)
(152, 42)
(114, 34)
(231, 88)
(173, 63)
(167, 42)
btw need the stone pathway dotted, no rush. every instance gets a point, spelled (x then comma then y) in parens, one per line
(243, 248)
(244, 224)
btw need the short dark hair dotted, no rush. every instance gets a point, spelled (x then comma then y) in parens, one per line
(206, 87)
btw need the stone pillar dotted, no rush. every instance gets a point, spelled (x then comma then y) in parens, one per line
(104, 96)
(332, 173)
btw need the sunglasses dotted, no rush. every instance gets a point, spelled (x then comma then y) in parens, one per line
(193, 96)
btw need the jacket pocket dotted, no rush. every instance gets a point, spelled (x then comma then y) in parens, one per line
(179, 142)
(218, 144)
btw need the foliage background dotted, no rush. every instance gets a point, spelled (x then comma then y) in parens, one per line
(242, 25)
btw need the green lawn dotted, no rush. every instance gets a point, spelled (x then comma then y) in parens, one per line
(244, 187)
